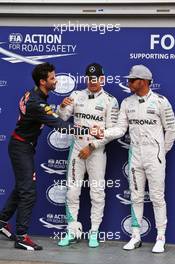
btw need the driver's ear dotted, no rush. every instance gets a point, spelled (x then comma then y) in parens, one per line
(42, 82)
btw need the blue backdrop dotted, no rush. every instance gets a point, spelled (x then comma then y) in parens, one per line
(23, 47)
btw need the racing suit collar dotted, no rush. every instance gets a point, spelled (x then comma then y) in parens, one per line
(145, 97)
(94, 94)
(40, 93)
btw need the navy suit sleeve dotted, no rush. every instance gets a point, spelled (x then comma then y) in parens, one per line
(45, 115)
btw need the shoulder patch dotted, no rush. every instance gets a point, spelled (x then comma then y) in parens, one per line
(23, 102)
(42, 105)
(110, 95)
(48, 110)
(130, 97)
(160, 96)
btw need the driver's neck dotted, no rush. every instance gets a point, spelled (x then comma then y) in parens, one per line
(44, 90)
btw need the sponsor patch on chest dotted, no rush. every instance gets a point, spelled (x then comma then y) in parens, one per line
(151, 111)
(100, 108)
(131, 111)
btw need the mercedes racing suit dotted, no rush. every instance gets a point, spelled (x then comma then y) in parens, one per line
(88, 110)
(151, 125)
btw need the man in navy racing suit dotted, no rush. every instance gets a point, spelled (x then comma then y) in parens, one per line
(34, 113)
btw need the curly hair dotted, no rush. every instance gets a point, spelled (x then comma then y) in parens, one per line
(41, 72)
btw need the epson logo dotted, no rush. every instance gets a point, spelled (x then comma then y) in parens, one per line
(127, 229)
(167, 42)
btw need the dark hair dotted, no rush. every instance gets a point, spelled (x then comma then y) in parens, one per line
(41, 72)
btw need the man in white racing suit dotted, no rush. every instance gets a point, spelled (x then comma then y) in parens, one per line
(151, 123)
(89, 107)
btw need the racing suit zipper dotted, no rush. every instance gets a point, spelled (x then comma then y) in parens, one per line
(158, 151)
